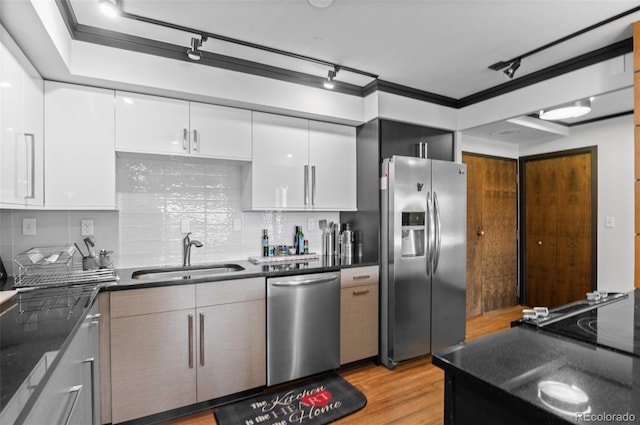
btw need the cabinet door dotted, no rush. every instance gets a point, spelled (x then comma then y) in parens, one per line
(231, 348)
(280, 154)
(358, 323)
(332, 158)
(153, 365)
(151, 124)
(79, 153)
(220, 132)
(21, 128)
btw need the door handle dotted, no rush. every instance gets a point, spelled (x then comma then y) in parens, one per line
(313, 185)
(306, 185)
(429, 234)
(31, 165)
(75, 393)
(438, 232)
(92, 362)
(287, 283)
(191, 341)
(194, 144)
(201, 339)
(185, 135)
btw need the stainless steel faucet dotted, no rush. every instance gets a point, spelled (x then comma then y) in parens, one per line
(186, 249)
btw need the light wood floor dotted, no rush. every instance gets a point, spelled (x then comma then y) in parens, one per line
(412, 393)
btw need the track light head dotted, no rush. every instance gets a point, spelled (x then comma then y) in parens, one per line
(110, 8)
(512, 68)
(329, 83)
(194, 52)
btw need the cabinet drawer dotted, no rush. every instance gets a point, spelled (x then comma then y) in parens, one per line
(152, 300)
(230, 291)
(358, 323)
(358, 276)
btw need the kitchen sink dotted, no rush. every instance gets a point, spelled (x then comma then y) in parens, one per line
(193, 272)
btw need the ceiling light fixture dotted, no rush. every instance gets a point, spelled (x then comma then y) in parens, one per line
(110, 8)
(329, 83)
(194, 52)
(512, 68)
(320, 4)
(573, 110)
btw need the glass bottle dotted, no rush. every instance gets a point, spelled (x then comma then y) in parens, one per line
(265, 243)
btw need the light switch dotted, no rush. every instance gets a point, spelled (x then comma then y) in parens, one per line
(610, 222)
(237, 224)
(28, 226)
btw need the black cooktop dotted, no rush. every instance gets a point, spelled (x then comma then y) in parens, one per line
(614, 325)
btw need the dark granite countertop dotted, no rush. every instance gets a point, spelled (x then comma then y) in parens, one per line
(281, 268)
(36, 326)
(515, 361)
(27, 337)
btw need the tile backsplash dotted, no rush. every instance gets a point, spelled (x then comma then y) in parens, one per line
(154, 195)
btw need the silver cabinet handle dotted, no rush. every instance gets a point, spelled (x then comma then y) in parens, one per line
(362, 292)
(438, 230)
(306, 185)
(30, 138)
(92, 362)
(75, 393)
(201, 339)
(313, 185)
(286, 283)
(185, 135)
(191, 341)
(361, 277)
(194, 143)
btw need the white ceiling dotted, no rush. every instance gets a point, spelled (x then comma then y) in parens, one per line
(442, 47)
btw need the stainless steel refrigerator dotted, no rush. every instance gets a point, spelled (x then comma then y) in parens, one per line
(423, 257)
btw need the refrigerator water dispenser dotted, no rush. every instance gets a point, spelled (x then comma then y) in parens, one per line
(413, 231)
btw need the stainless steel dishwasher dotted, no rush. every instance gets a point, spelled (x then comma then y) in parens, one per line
(303, 326)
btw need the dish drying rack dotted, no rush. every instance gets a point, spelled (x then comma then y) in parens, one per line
(54, 266)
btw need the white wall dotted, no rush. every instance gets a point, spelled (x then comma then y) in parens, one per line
(473, 144)
(615, 141)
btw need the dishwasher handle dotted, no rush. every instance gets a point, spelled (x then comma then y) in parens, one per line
(290, 283)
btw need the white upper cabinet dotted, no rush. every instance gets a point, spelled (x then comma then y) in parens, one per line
(301, 165)
(151, 124)
(21, 124)
(158, 125)
(280, 162)
(332, 161)
(79, 147)
(220, 132)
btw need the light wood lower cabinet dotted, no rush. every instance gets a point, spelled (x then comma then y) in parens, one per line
(152, 364)
(177, 345)
(358, 314)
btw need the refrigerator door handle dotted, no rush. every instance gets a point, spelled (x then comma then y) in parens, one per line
(429, 234)
(438, 232)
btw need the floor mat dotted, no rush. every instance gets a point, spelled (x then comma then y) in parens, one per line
(316, 402)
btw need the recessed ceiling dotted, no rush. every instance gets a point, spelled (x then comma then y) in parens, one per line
(441, 47)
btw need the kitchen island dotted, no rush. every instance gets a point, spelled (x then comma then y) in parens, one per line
(529, 376)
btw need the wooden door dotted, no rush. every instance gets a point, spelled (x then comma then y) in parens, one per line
(491, 233)
(558, 229)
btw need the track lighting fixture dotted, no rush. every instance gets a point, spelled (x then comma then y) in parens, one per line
(194, 52)
(573, 110)
(110, 8)
(512, 68)
(329, 83)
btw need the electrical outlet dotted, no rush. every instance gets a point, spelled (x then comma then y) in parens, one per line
(185, 225)
(28, 226)
(311, 224)
(87, 227)
(237, 224)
